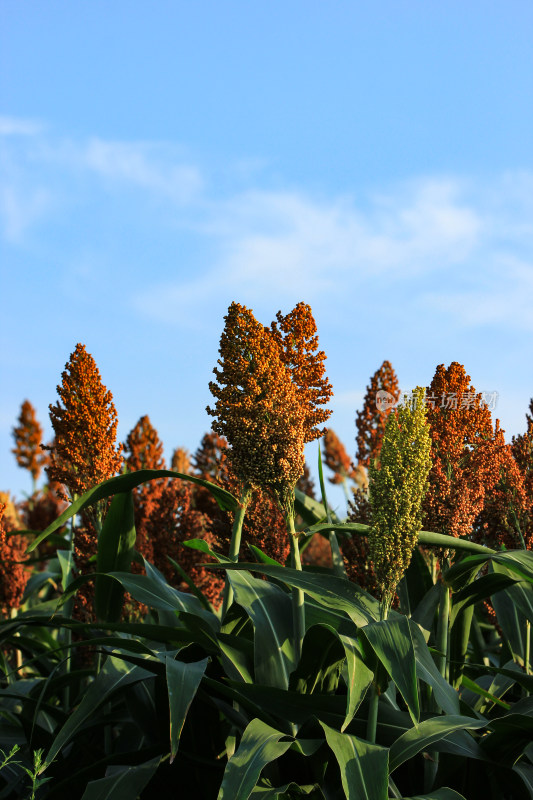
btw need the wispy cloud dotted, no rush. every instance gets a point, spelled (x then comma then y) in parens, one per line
(473, 236)
(15, 126)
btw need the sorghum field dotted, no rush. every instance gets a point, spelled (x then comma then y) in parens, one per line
(210, 628)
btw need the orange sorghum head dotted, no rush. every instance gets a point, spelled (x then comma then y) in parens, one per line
(28, 436)
(371, 420)
(258, 408)
(336, 458)
(13, 576)
(466, 452)
(143, 449)
(297, 336)
(181, 461)
(85, 426)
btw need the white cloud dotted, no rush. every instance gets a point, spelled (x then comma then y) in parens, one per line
(504, 296)
(284, 244)
(147, 166)
(15, 126)
(20, 208)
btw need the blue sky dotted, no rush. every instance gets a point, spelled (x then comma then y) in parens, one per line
(158, 161)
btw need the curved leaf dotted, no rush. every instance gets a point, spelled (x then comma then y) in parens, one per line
(123, 783)
(427, 733)
(260, 744)
(391, 641)
(270, 610)
(114, 675)
(329, 590)
(125, 483)
(363, 766)
(182, 681)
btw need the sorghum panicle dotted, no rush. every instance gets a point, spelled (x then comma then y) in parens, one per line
(258, 408)
(466, 452)
(336, 458)
(371, 420)
(28, 435)
(397, 490)
(85, 426)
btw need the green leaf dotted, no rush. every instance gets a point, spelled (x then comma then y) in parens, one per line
(393, 645)
(114, 675)
(159, 595)
(426, 733)
(236, 656)
(123, 783)
(125, 483)
(478, 590)
(363, 766)
(66, 563)
(426, 669)
(260, 744)
(270, 610)
(115, 552)
(182, 681)
(329, 590)
(438, 794)
(510, 734)
(359, 678)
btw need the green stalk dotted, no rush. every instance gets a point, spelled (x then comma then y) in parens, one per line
(235, 544)
(298, 609)
(372, 721)
(527, 654)
(442, 629)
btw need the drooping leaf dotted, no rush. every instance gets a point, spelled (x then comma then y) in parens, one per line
(260, 744)
(183, 680)
(114, 675)
(363, 766)
(122, 783)
(329, 590)
(125, 483)
(426, 669)
(270, 610)
(427, 733)
(393, 645)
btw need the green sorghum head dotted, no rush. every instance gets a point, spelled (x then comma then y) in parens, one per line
(397, 490)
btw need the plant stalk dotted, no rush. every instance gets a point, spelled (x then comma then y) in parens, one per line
(298, 609)
(235, 544)
(442, 630)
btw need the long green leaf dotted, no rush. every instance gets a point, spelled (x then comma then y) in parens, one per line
(425, 538)
(427, 733)
(123, 783)
(270, 610)
(115, 675)
(426, 669)
(125, 483)
(260, 744)
(182, 681)
(363, 766)
(359, 678)
(115, 552)
(393, 645)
